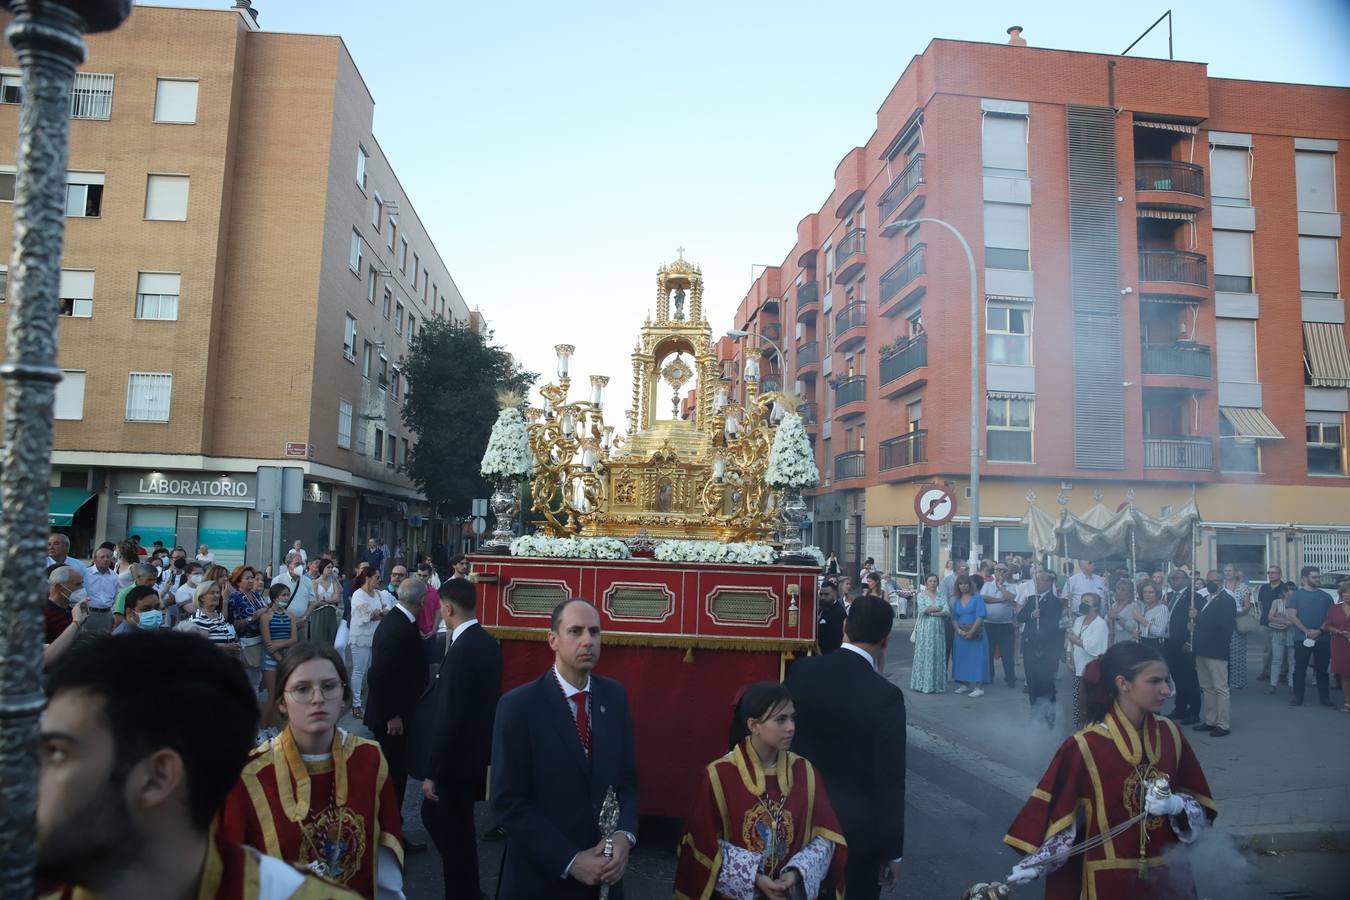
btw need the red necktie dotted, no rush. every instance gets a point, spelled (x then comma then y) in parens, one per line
(583, 722)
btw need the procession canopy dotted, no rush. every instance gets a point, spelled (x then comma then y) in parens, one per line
(1101, 532)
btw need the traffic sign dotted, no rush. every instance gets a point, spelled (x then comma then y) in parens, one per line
(934, 505)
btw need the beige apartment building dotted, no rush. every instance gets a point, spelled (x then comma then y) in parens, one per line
(242, 274)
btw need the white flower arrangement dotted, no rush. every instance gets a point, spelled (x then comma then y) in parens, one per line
(814, 552)
(508, 453)
(569, 547)
(791, 462)
(751, 554)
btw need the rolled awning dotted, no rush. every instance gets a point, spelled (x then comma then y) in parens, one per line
(1153, 212)
(1167, 126)
(1325, 352)
(64, 503)
(1250, 423)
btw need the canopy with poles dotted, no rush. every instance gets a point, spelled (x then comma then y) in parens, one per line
(1102, 532)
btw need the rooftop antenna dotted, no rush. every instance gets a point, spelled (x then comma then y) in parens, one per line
(1168, 16)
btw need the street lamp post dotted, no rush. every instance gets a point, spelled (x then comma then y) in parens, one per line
(45, 35)
(782, 360)
(975, 405)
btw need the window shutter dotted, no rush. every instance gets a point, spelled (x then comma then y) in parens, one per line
(158, 283)
(1232, 253)
(70, 396)
(166, 197)
(1004, 144)
(1006, 225)
(1317, 269)
(1228, 174)
(175, 101)
(77, 284)
(1315, 181)
(1237, 350)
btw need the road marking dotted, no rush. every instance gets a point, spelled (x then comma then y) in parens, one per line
(971, 761)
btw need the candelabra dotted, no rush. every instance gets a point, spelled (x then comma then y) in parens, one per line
(742, 435)
(571, 445)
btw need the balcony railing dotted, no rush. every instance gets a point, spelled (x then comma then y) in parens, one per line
(911, 357)
(1178, 453)
(1176, 360)
(1173, 265)
(808, 294)
(808, 354)
(849, 244)
(850, 390)
(911, 266)
(904, 184)
(851, 316)
(809, 411)
(1169, 175)
(905, 450)
(849, 465)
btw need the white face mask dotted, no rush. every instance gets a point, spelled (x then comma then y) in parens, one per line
(77, 597)
(195, 579)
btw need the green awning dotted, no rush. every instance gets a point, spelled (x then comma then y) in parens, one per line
(64, 503)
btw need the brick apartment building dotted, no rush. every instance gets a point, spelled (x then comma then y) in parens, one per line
(1159, 269)
(242, 273)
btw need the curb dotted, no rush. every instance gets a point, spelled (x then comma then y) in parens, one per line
(1312, 836)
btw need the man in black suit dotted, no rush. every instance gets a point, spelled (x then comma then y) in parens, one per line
(851, 726)
(830, 622)
(464, 704)
(1177, 648)
(396, 679)
(559, 742)
(1042, 644)
(1214, 618)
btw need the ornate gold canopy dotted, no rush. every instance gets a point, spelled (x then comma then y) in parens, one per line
(699, 478)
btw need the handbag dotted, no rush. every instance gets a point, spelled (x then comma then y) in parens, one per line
(340, 642)
(251, 651)
(1250, 620)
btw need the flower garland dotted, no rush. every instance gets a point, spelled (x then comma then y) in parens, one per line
(508, 453)
(569, 547)
(791, 462)
(814, 552)
(751, 554)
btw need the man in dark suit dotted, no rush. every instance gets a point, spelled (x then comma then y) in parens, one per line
(396, 679)
(1214, 618)
(851, 726)
(559, 742)
(1177, 648)
(1042, 644)
(830, 622)
(464, 704)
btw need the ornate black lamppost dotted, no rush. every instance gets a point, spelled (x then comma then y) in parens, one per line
(45, 34)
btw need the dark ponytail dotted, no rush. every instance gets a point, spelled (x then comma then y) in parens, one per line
(1126, 659)
(756, 701)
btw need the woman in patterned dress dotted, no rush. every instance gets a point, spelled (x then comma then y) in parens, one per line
(1237, 650)
(928, 674)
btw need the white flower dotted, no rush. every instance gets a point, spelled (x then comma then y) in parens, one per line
(752, 554)
(814, 552)
(569, 547)
(508, 451)
(791, 462)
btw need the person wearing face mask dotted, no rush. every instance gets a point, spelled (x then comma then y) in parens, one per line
(1213, 618)
(280, 629)
(65, 591)
(193, 574)
(1087, 641)
(143, 612)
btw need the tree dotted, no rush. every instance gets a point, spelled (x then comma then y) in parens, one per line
(454, 375)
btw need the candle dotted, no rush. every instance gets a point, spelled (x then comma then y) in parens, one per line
(564, 352)
(719, 467)
(569, 425)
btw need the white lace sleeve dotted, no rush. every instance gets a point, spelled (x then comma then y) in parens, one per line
(736, 877)
(1191, 820)
(1040, 860)
(812, 862)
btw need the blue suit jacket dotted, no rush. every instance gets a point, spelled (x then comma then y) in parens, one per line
(546, 793)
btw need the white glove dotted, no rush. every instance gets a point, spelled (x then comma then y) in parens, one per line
(1163, 806)
(1021, 874)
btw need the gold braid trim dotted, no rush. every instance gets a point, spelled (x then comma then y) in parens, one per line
(630, 639)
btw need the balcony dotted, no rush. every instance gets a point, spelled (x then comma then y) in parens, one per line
(849, 465)
(1179, 359)
(850, 397)
(899, 190)
(1167, 176)
(850, 256)
(1173, 271)
(896, 280)
(1195, 454)
(808, 356)
(770, 383)
(808, 298)
(909, 357)
(773, 331)
(906, 450)
(850, 326)
(810, 412)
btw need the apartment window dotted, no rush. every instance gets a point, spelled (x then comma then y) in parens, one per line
(91, 96)
(148, 396)
(11, 86)
(403, 255)
(84, 194)
(362, 438)
(8, 178)
(175, 101)
(1233, 261)
(384, 372)
(379, 443)
(412, 327)
(398, 318)
(69, 404)
(425, 283)
(4, 283)
(1008, 420)
(344, 437)
(389, 235)
(388, 301)
(1318, 269)
(403, 460)
(1006, 229)
(354, 260)
(417, 263)
(1237, 350)
(77, 293)
(371, 282)
(1007, 336)
(1237, 454)
(390, 450)
(1230, 176)
(157, 295)
(166, 197)
(914, 414)
(1316, 180)
(827, 253)
(395, 382)
(1004, 145)
(1326, 443)
(361, 158)
(367, 354)
(349, 337)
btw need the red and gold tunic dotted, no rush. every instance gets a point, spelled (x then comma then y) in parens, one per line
(775, 814)
(1095, 782)
(336, 813)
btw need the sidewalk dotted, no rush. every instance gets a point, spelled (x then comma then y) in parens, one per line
(1278, 779)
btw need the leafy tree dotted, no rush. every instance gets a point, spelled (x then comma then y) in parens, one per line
(454, 375)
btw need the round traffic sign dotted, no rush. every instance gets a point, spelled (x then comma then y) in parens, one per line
(934, 505)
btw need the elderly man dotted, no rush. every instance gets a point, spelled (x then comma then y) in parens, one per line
(65, 589)
(1042, 644)
(58, 549)
(397, 677)
(100, 580)
(1177, 648)
(145, 575)
(1085, 581)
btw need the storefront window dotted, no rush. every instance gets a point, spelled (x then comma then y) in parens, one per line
(154, 523)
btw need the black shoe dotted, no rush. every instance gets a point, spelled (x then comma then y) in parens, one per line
(1295, 702)
(1203, 727)
(1219, 732)
(1190, 720)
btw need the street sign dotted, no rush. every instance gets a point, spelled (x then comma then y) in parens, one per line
(297, 449)
(479, 525)
(934, 505)
(479, 507)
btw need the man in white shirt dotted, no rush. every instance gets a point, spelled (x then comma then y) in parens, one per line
(100, 584)
(1000, 601)
(1085, 581)
(296, 548)
(58, 550)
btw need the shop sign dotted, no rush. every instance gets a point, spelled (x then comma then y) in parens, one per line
(299, 450)
(192, 487)
(316, 494)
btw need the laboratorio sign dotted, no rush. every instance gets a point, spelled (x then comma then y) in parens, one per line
(201, 487)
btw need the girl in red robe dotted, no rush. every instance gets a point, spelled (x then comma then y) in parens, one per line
(761, 822)
(314, 795)
(1099, 779)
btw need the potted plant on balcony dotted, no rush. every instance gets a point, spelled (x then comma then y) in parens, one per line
(792, 468)
(506, 462)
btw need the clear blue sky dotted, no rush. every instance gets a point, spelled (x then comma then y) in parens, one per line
(559, 152)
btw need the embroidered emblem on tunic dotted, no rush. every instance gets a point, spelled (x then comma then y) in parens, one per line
(768, 830)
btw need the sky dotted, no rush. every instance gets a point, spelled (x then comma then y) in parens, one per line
(559, 153)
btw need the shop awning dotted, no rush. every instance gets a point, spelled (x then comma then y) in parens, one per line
(1167, 126)
(64, 503)
(1327, 357)
(1250, 423)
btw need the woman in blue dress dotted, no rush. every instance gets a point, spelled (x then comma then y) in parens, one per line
(970, 649)
(928, 674)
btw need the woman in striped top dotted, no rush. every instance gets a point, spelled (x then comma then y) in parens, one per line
(210, 617)
(280, 631)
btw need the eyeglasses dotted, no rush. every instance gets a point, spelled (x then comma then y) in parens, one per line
(328, 690)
